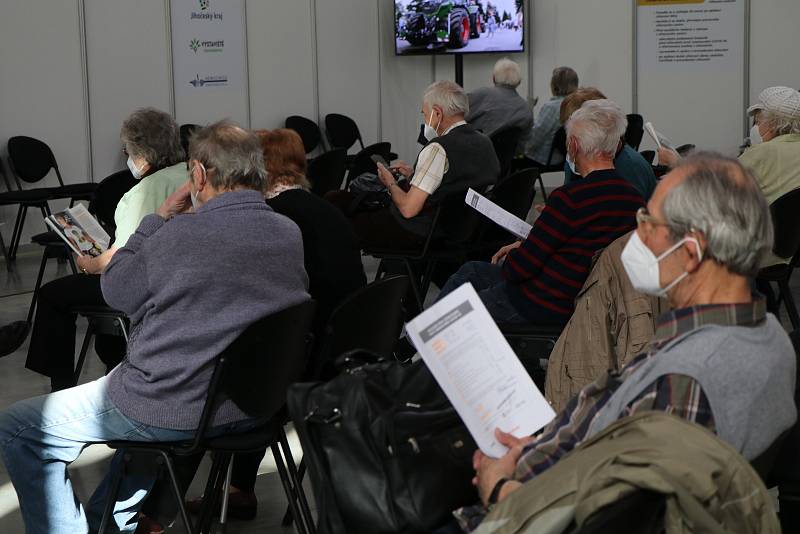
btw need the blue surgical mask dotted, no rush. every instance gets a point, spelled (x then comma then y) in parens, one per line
(571, 163)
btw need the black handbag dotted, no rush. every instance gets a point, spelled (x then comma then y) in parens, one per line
(385, 450)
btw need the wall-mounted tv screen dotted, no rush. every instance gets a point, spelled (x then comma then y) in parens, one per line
(458, 26)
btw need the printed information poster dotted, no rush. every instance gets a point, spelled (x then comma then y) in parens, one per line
(209, 60)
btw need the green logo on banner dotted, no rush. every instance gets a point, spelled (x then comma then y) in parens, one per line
(194, 45)
(204, 4)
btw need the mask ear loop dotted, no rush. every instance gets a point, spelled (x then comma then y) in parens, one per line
(672, 249)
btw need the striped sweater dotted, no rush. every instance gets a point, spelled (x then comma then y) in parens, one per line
(548, 270)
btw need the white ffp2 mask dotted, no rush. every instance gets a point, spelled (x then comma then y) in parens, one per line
(641, 265)
(430, 132)
(137, 174)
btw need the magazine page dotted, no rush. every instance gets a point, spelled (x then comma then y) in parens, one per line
(478, 371)
(489, 209)
(79, 230)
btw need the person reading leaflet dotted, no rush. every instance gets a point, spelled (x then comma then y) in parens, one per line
(660, 139)
(476, 368)
(503, 218)
(80, 231)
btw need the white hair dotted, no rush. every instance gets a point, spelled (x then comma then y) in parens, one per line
(598, 126)
(720, 199)
(449, 96)
(506, 72)
(779, 123)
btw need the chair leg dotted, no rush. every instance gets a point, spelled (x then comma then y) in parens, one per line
(788, 301)
(111, 498)
(35, 295)
(223, 513)
(287, 488)
(17, 235)
(296, 480)
(87, 339)
(211, 492)
(5, 254)
(414, 284)
(287, 515)
(176, 490)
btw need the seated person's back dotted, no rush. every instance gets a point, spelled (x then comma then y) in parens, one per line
(499, 107)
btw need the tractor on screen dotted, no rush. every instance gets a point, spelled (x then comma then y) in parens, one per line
(449, 23)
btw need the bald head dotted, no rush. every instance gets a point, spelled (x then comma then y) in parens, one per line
(717, 197)
(231, 155)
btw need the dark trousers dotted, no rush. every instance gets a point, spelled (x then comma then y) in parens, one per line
(376, 228)
(52, 347)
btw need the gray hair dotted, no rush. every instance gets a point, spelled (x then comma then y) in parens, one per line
(779, 123)
(721, 199)
(233, 153)
(151, 134)
(506, 72)
(598, 126)
(447, 95)
(564, 81)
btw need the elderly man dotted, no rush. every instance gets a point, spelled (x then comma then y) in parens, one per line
(539, 140)
(456, 158)
(498, 108)
(539, 279)
(190, 283)
(701, 236)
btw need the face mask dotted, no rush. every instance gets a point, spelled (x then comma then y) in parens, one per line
(192, 195)
(572, 166)
(430, 132)
(642, 265)
(134, 169)
(755, 136)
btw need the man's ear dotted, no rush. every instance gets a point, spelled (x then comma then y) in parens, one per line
(695, 248)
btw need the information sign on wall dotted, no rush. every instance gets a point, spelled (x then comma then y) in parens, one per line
(209, 60)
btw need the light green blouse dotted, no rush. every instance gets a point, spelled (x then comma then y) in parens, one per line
(145, 198)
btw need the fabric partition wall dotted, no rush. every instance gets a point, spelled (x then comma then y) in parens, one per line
(209, 60)
(691, 76)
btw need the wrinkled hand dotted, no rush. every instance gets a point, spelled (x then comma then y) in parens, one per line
(503, 252)
(489, 470)
(385, 176)
(403, 168)
(85, 264)
(539, 207)
(668, 157)
(178, 202)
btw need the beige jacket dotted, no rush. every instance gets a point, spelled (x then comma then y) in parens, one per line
(612, 323)
(708, 486)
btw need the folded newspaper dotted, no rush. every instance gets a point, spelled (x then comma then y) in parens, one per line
(660, 139)
(507, 220)
(79, 230)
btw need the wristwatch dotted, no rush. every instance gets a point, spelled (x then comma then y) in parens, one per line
(496, 491)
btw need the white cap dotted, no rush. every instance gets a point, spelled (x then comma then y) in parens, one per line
(784, 100)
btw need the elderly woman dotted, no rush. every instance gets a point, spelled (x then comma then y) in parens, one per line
(701, 236)
(540, 277)
(150, 139)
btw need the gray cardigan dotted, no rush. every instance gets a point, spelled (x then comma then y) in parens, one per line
(746, 372)
(190, 286)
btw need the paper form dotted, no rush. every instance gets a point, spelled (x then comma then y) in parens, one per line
(507, 220)
(478, 371)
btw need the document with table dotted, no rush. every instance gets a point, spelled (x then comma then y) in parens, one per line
(507, 220)
(475, 366)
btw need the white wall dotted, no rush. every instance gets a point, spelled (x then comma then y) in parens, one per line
(306, 57)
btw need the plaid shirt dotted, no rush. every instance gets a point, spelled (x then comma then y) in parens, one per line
(540, 138)
(677, 394)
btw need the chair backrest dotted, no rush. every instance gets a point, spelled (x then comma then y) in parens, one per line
(31, 159)
(107, 195)
(342, 131)
(635, 130)
(326, 171)
(307, 129)
(186, 131)
(371, 320)
(786, 219)
(559, 146)
(515, 194)
(505, 146)
(785, 468)
(363, 161)
(257, 368)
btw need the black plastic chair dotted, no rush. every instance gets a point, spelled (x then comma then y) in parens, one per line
(505, 146)
(533, 345)
(786, 220)
(649, 156)
(558, 151)
(255, 372)
(102, 320)
(186, 131)
(308, 131)
(635, 130)
(342, 131)
(326, 171)
(362, 162)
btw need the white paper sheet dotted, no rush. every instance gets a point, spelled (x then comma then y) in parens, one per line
(478, 371)
(507, 220)
(660, 139)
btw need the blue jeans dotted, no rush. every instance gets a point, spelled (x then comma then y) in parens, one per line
(488, 281)
(40, 437)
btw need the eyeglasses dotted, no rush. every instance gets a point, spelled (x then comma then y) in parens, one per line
(643, 216)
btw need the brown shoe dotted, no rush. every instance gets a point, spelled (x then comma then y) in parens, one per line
(241, 505)
(148, 526)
